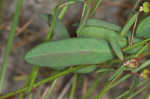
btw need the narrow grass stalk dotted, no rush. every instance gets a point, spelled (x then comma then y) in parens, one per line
(51, 89)
(86, 15)
(110, 83)
(63, 11)
(129, 24)
(30, 80)
(10, 42)
(93, 86)
(122, 96)
(141, 51)
(136, 45)
(73, 86)
(98, 2)
(67, 71)
(138, 91)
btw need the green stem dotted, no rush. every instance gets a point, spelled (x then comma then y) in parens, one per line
(98, 2)
(64, 10)
(141, 51)
(44, 81)
(10, 42)
(50, 32)
(128, 25)
(85, 16)
(51, 89)
(110, 83)
(93, 85)
(139, 91)
(73, 86)
(137, 44)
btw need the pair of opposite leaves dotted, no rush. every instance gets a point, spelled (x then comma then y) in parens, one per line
(80, 51)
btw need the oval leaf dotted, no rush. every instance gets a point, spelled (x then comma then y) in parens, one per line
(103, 24)
(102, 33)
(86, 70)
(143, 30)
(69, 52)
(60, 31)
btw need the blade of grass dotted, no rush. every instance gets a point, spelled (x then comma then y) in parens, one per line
(101, 70)
(111, 81)
(141, 51)
(122, 96)
(129, 24)
(86, 15)
(134, 85)
(120, 70)
(139, 91)
(73, 86)
(98, 2)
(142, 66)
(94, 85)
(137, 44)
(51, 89)
(10, 42)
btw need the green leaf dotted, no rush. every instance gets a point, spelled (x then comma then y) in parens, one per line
(116, 48)
(60, 31)
(87, 69)
(102, 33)
(69, 52)
(143, 29)
(101, 70)
(103, 24)
(128, 25)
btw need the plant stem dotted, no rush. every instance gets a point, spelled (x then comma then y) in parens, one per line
(137, 44)
(98, 2)
(110, 83)
(73, 86)
(10, 42)
(67, 71)
(51, 89)
(85, 16)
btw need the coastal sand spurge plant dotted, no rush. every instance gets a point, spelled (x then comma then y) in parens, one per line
(125, 51)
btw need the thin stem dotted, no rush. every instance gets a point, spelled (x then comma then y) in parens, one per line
(98, 2)
(85, 16)
(139, 91)
(73, 86)
(137, 44)
(10, 42)
(67, 71)
(51, 89)
(50, 32)
(128, 25)
(93, 86)
(110, 83)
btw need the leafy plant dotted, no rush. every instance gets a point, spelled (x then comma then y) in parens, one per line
(98, 43)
